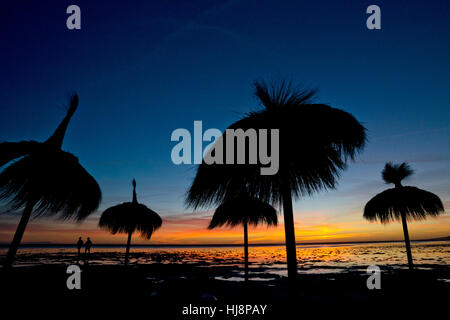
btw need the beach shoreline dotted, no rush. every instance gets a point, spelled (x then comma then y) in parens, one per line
(170, 280)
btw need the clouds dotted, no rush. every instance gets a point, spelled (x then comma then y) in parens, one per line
(191, 228)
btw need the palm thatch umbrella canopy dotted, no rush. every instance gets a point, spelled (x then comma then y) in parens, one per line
(402, 203)
(45, 181)
(244, 210)
(315, 143)
(129, 217)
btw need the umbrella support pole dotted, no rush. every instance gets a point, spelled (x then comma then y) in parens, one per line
(407, 242)
(289, 230)
(246, 250)
(18, 235)
(127, 252)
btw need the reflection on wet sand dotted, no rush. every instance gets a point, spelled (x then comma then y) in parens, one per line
(266, 262)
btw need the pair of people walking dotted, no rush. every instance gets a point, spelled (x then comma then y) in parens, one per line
(87, 247)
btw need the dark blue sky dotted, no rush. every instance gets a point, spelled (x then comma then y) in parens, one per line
(144, 68)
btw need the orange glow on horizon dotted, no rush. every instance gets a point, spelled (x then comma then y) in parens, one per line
(192, 229)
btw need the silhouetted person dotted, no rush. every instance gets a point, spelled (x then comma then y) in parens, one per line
(80, 244)
(31, 181)
(87, 248)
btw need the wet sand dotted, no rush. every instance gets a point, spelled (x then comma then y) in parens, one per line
(159, 283)
(163, 289)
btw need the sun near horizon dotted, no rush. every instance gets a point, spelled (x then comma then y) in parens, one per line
(191, 229)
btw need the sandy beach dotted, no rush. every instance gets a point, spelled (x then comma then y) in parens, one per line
(166, 281)
(166, 288)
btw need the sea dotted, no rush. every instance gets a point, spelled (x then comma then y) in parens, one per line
(266, 260)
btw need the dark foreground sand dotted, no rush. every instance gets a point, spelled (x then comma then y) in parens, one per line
(160, 291)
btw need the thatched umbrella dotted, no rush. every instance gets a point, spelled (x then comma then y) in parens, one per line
(45, 181)
(129, 217)
(402, 202)
(315, 143)
(244, 210)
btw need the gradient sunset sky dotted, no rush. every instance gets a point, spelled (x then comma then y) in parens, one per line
(145, 68)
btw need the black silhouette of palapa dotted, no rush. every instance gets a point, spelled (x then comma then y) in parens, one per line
(129, 217)
(316, 142)
(244, 210)
(402, 202)
(45, 181)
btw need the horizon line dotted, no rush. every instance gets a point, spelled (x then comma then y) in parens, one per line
(49, 244)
